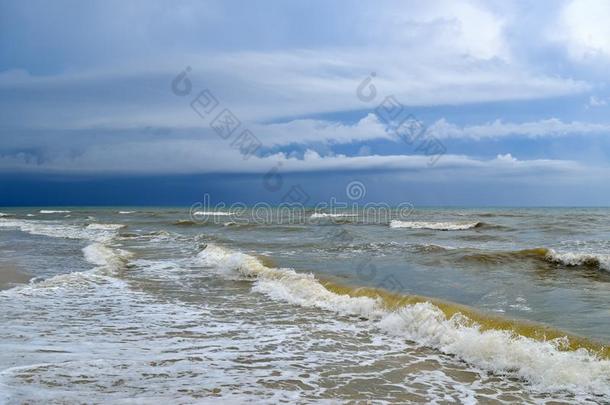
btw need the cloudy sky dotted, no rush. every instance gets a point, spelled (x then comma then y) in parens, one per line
(442, 103)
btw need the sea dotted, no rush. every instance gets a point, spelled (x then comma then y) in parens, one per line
(174, 305)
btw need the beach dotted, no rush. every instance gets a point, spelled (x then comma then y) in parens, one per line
(490, 305)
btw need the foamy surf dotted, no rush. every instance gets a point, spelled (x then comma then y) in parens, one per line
(545, 364)
(285, 284)
(54, 211)
(318, 215)
(106, 257)
(107, 261)
(93, 232)
(212, 213)
(105, 227)
(438, 226)
(568, 259)
(601, 261)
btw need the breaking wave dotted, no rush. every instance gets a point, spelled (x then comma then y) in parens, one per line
(108, 263)
(548, 359)
(438, 226)
(212, 213)
(568, 259)
(109, 259)
(93, 232)
(54, 211)
(316, 215)
(106, 227)
(234, 224)
(185, 222)
(600, 261)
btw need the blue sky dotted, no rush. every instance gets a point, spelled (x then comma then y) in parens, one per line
(513, 94)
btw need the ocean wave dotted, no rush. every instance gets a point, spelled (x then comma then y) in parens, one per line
(234, 224)
(499, 214)
(601, 261)
(108, 263)
(285, 284)
(187, 222)
(568, 259)
(481, 237)
(126, 212)
(2, 214)
(106, 227)
(184, 222)
(61, 230)
(316, 215)
(546, 364)
(54, 211)
(212, 213)
(432, 248)
(438, 226)
(154, 236)
(105, 257)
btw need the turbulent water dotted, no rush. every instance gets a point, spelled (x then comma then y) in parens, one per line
(445, 305)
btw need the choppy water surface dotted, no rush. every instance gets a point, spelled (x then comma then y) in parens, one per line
(466, 305)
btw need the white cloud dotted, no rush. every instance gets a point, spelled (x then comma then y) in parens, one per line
(499, 128)
(425, 54)
(583, 26)
(266, 86)
(306, 130)
(595, 101)
(464, 28)
(217, 156)
(506, 158)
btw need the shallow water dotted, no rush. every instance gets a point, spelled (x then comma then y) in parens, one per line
(10, 276)
(155, 303)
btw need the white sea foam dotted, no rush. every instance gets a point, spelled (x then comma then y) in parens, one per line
(212, 213)
(285, 284)
(168, 346)
(439, 226)
(60, 230)
(126, 212)
(54, 211)
(105, 227)
(541, 363)
(2, 214)
(108, 262)
(579, 259)
(334, 215)
(103, 256)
